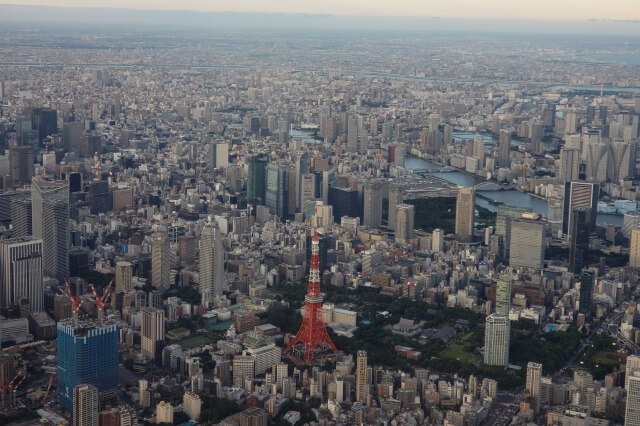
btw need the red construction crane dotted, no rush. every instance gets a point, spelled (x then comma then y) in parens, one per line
(101, 301)
(46, 394)
(75, 300)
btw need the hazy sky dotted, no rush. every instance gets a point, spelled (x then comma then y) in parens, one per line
(493, 9)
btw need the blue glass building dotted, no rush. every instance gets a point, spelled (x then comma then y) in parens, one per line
(87, 353)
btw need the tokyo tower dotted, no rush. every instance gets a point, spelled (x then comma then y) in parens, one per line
(312, 339)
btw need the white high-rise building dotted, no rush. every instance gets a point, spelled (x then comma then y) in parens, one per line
(192, 405)
(437, 240)
(164, 412)
(632, 413)
(160, 261)
(569, 161)
(21, 272)
(212, 275)
(396, 198)
(85, 405)
(222, 155)
(534, 377)
(632, 364)
(527, 246)
(496, 340)
(404, 223)
(124, 276)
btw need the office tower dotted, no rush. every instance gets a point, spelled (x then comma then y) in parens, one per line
(311, 186)
(632, 364)
(504, 149)
(45, 121)
(243, 369)
(192, 405)
(21, 271)
(503, 295)
(85, 405)
(151, 332)
(570, 121)
(496, 340)
(632, 412)
(256, 178)
(50, 223)
(212, 275)
(75, 182)
(465, 213)
(277, 193)
(586, 292)
(579, 194)
(504, 217)
(21, 164)
(536, 133)
(21, 217)
(631, 221)
(404, 223)
(372, 204)
(569, 162)
(622, 157)
(160, 260)
(302, 168)
(634, 250)
(99, 196)
(579, 239)
(437, 240)
(534, 377)
(222, 154)
(344, 202)
(164, 413)
(362, 388)
(396, 197)
(187, 249)
(124, 276)
(72, 137)
(352, 133)
(87, 353)
(597, 161)
(527, 244)
(122, 199)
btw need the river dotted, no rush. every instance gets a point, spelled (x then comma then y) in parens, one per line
(509, 197)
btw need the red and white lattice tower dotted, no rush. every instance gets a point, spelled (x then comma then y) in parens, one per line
(312, 339)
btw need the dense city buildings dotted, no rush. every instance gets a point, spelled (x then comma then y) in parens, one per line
(202, 226)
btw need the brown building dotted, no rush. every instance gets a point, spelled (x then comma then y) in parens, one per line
(246, 322)
(122, 198)
(187, 249)
(253, 416)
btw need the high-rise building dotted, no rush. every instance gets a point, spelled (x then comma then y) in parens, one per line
(253, 416)
(372, 204)
(160, 260)
(277, 193)
(124, 276)
(344, 202)
(527, 244)
(504, 217)
(256, 179)
(634, 252)
(396, 197)
(50, 223)
(586, 292)
(632, 364)
(437, 240)
(164, 413)
(302, 168)
(632, 412)
(21, 164)
(21, 225)
(503, 295)
(152, 331)
(362, 388)
(85, 405)
(243, 369)
(122, 199)
(72, 137)
(21, 272)
(45, 121)
(192, 404)
(404, 223)
(534, 377)
(597, 161)
(569, 162)
(465, 213)
(582, 194)
(496, 340)
(212, 275)
(87, 353)
(222, 155)
(99, 198)
(579, 239)
(504, 149)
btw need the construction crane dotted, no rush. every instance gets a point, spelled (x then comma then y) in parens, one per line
(101, 301)
(46, 394)
(75, 300)
(12, 386)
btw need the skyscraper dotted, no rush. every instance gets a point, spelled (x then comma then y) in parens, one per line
(496, 340)
(50, 222)
(160, 260)
(302, 168)
(21, 271)
(504, 217)
(124, 276)
(152, 331)
(372, 204)
(569, 161)
(465, 213)
(21, 164)
(87, 353)
(534, 376)
(634, 251)
(212, 275)
(632, 364)
(527, 244)
(632, 412)
(256, 179)
(586, 292)
(21, 217)
(582, 194)
(579, 239)
(361, 377)
(504, 149)
(396, 197)
(503, 295)
(85, 405)
(404, 222)
(277, 192)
